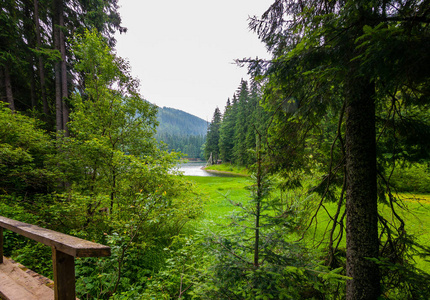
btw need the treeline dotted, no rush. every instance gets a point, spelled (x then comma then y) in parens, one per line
(232, 134)
(190, 145)
(37, 73)
(181, 132)
(178, 122)
(348, 98)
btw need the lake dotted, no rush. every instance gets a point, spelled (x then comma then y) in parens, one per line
(195, 169)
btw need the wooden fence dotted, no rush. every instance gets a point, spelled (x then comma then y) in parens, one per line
(64, 250)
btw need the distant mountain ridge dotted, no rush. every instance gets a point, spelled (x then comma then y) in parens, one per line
(177, 122)
(181, 132)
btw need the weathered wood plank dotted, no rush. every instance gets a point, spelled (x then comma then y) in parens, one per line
(1, 245)
(10, 290)
(64, 275)
(18, 284)
(68, 244)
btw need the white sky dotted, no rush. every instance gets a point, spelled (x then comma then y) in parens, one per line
(183, 51)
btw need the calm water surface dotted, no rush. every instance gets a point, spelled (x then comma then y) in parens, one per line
(195, 169)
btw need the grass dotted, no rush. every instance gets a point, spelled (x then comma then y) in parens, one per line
(217, 191)
(415, 213)
(229, 168)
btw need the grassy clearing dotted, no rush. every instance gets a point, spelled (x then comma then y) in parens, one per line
(217, 191)
(415, 213)
(216, 194)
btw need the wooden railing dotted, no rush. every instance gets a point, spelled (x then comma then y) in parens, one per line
(64, 250)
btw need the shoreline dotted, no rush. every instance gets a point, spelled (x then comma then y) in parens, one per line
(225, 172)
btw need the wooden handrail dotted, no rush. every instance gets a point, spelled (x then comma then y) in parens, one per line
(64, 250)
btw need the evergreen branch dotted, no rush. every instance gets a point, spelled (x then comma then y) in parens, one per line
(233, 253)
(335, 222)
(330, 174)
(415, 19)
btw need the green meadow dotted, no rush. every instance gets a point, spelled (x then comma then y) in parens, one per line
(218, 192)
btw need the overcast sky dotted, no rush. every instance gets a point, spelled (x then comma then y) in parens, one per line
(183, 51)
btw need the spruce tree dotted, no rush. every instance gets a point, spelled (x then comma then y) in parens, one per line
(226, 132)
(240, 155)
(345, 58)
(212, 137)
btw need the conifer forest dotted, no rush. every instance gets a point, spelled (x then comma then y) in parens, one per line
(331, 135)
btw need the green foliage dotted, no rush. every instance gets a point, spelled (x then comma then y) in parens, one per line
(229, 169)
(336, 63)
(189, 145)
(404, 281)
(181, 272)
(29, 49)
(414, 178)
(212, 137)
(37, 256)
(226, 135)
(120, 189)
(241, 126)
(24, 148)
(243, 119)
(110, 182)
(256, 257)
(10, 207)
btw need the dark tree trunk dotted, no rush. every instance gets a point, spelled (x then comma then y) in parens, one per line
(8, 87)
(112, 194)
(32, 85)
(64, 87)
(58, 102)
(57, 11)
(361, 194)
(40, 59)
(2, 86)
(29, 35)
(258, 205)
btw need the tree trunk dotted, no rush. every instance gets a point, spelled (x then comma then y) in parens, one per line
(58, 103)
(29, 36)
(8, 87)
(32, 85)
(64, 87)
(258, 205)
(40, 58)
(57, 11)
(112, 194)
(361, 194)
(2, 86)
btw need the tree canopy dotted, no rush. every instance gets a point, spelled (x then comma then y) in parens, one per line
(360, 63)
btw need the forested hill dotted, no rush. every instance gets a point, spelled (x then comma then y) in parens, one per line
(177, 122)
(181, 131)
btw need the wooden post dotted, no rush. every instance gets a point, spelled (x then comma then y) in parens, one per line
(1, 245)
(64, 275)
(64, 250)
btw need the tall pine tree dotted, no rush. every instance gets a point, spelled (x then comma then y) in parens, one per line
(212, 137)
(240, 154)
(346, 58)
